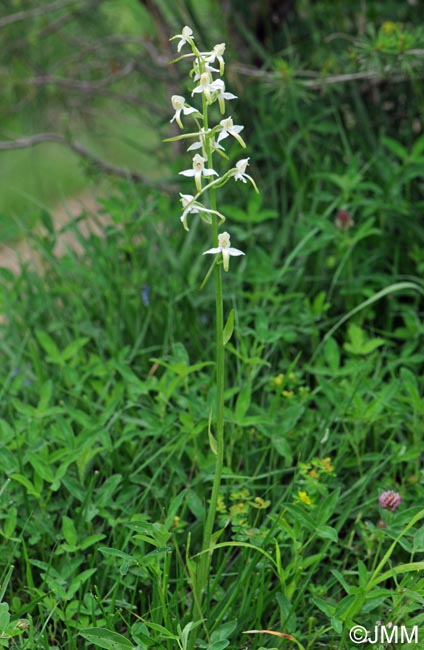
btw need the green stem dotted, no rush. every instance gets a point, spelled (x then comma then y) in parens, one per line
(205, 557)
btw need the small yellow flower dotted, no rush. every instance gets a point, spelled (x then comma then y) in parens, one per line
(288, 393)
(313, 473)
(239, 508)
(240, 494)
(304, 498)
(389, 27)
(278, 380)
(220, 506)
(261, 503)
(326, 465)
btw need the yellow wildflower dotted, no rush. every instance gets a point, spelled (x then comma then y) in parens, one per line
(261, 503)
(389, 27)
(326, 465)
(220, 506)
(304, 498)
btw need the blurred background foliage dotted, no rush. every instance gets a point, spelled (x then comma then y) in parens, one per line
(321, 82)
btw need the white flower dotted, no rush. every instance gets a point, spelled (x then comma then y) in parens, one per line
(228, 128)
(191, 206)
(205, 67)
(217, 53)
(185, 37)
(239, 172)
(200, 144)
(222, 94)
(198, 171)
(179, 104)
(206, 86)
(224, 247)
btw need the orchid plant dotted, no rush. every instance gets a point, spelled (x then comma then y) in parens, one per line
(206, 140)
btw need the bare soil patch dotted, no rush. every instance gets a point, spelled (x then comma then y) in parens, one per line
(13, 256)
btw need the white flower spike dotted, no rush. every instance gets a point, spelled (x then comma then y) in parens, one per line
(186, 36)
(229, 128)
(222, 94)
(179, 105)
(239, 172)
(198, 171)
(224, 247)
(191, 206)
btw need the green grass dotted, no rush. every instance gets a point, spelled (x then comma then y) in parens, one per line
(104, 416)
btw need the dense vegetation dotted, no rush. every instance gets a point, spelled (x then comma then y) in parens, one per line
(107, 357)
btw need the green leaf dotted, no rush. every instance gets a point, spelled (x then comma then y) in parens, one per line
(116, 553)
(107, 639)
(332, 354)
(4, 616)
(10, 522)
(41, 467)
(69, 531)
(327, 532)
(23, 480)
(359, 343)
(395, 147)
(229, 328)
(72, 349)
(243, 403)
(212, 440)
(49, 346)
(419, 540)
(90, 540)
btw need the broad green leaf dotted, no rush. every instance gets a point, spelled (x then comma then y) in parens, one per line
(23, 480)
(103, 638)
(41, 467)
(10, 522)
(243, 403)
(4, 616)
(327, 532)
(332, 354)
(69, 531)
(49, 346)
(72, 349)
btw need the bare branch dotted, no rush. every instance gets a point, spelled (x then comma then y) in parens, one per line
(38, 11)
(78, 148)
(86, 86)
(318, 82)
